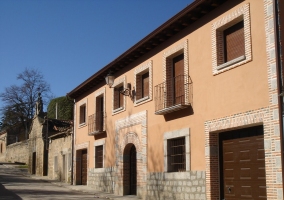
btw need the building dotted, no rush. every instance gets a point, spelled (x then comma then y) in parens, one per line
(49, 146)
(193, 111)
(3, 144)
(60, 150)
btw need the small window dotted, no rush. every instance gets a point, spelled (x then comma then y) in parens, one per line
(99, 156)
(234, 42)
(82, 114)
(118, 97)
(1, 148)
(55, 164)
(142, 85)
(176, 155)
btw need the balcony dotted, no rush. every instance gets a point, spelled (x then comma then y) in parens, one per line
(96, 123)
(173, 94)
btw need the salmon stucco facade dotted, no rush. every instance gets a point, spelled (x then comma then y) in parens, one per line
(189, 112)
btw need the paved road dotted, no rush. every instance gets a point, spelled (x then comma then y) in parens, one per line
(15, 186)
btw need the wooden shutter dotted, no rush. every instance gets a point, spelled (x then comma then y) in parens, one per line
(121, 97)
(99, 113)
(138, 87)
(82, 114)
(115, 98)
(145, 84)
(178, 64)
(234, 41)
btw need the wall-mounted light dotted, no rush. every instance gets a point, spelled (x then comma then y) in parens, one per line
(110, 80)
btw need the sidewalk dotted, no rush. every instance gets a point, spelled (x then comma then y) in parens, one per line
(79, 188)
(85, 189)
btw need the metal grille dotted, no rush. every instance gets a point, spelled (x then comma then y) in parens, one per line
(99, 157)
(96, 122)
(176, 155)
(174, 91)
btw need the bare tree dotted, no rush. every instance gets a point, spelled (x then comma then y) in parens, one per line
(19, 100)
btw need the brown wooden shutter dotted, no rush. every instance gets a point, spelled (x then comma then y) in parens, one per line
(82, 114)
(115, 98)
(234, 41)
(145, 84)
(178, 64)
(121, 97)
(99, 113)
(138, 87)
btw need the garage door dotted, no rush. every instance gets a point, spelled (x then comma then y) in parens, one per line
(242, 164)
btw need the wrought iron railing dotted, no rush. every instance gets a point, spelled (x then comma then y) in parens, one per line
(96, 123)
(173, 94)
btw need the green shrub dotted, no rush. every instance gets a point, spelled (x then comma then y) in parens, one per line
(64, 108)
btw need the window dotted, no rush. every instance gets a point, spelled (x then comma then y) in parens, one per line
(177, 150)
(1, 148)
(99, 151)
(82, 114)
(234, 43)
(176, 155)
(99, 156)
(99, 123)
(231, 45)
(142, 85)
(118, 101)
(231, 40)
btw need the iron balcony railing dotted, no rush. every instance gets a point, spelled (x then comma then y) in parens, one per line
(96, 123)
(173, 94)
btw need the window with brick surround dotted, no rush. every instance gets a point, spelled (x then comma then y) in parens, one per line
(177, 150)
(82, 118)
(231, 40)
(99, 152)
(118, 98)
(230, 45)
(176, 155)
(142, 85)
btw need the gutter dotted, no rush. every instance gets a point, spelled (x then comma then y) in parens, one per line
(279, 74)
(72, 145)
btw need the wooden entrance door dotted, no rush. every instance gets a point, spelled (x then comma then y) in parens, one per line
(243, 164)
(133, 171)
(84, 167)
(178, 76)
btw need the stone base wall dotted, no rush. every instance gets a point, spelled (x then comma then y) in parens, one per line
(102, 179)
(17, 152)
(179, 185)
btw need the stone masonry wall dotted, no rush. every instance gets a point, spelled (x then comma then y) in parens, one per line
(102, 179)
(179, 185)
(36, 144)
(60, 148)
(17, 152)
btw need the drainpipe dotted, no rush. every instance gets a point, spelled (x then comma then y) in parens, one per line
(279, 71)
(72, 154)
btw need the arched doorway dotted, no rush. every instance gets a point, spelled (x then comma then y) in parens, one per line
(129, 170)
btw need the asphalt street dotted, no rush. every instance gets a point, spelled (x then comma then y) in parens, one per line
(16, 184)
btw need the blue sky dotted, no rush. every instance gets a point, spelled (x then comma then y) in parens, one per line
(69, 40)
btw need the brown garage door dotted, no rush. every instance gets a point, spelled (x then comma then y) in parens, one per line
(84, 167)
(242, 164)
